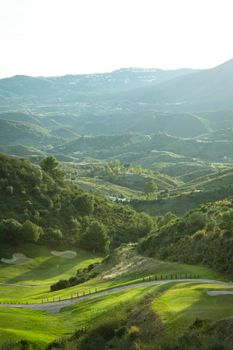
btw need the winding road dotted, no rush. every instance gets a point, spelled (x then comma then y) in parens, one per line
(56, 306)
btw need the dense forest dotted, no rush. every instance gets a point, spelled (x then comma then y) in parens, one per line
(38, 205)
(202, 236)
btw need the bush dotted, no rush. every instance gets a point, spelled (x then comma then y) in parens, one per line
(59, 285)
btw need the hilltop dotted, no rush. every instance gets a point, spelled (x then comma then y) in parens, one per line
(199, 91)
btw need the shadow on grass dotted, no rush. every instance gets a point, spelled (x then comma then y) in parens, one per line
(50, 269)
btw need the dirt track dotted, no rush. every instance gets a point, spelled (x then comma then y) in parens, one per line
(56, 306)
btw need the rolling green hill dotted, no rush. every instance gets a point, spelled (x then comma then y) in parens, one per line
(202, 236)
(131, 142)
(16, 132)
(60, 210)
(138, 148)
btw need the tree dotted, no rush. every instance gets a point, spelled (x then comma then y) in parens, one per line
(196, 221)
(31, 232)
(53, 235)
(84, 203)
(226, 220)
(150, 187)
(51, 166)
(10, 230)
(95, 238)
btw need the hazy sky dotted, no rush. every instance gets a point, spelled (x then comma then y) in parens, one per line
(56, 37)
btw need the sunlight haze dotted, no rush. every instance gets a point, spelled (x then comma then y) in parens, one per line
(57, 37)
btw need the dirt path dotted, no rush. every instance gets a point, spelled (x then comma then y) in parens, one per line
(56, 306)
(213, 293)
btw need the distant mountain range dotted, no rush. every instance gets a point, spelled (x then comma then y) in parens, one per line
(25, 89)
(59, 114)
(182, 89)
(206, 89)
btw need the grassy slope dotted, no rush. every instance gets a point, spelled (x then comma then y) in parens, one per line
(181, 304)
(208, 188)
(44, 327)
(106, 188)
(178, 305)
(46, 269)
(125, 267)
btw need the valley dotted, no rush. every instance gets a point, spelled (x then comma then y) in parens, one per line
(116, 210)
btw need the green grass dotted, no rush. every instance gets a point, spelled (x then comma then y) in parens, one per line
(178, 305)
(42, 327)
(106, 188)
(35, 326)
(46, 269)
(181, 304)
(164, 268)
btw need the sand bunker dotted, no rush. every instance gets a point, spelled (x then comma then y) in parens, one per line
(219, 292)
(17, 259)
(67, 254)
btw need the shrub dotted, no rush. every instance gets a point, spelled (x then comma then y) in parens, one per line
(59, 285)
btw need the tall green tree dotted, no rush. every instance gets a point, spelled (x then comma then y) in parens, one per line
(10, 230)
(150, 187)
(30, 232)
(52, 167)
(96, 238)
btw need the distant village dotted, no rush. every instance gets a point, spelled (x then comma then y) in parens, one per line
(118, 199)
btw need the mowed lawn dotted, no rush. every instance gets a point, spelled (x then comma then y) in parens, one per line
(45, 268)
(182, 303)
(177, 304)
(42, 327)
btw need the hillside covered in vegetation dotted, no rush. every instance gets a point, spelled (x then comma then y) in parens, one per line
(202, 236)
(37, 204)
